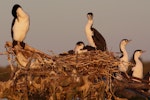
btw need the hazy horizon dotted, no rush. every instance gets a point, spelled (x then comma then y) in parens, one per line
(58, 25)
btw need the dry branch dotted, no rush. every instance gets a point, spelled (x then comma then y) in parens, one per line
(88, 76)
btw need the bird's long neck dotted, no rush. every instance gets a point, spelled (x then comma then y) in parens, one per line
(124, 52)
(137, 60)
(89, 33)
(89, 25)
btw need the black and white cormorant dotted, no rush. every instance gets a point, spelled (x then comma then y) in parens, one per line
(20, 25)
(81, 48)
(94, 38)
(124, 63)
(138, 68)
(123, 66)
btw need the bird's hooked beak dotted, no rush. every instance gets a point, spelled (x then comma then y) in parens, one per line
(129, 41)
(143, 51)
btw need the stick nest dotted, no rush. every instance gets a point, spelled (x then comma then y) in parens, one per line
(86, 76)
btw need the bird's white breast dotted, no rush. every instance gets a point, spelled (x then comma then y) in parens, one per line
(89, 33)
(138, 70)
(123, 66)
(20, 29)
(79, 50)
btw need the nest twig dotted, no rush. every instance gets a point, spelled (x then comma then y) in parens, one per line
(87, 76)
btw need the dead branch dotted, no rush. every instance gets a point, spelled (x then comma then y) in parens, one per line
(87, 76)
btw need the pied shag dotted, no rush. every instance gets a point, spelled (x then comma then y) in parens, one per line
(94, 38)
(138, 68)
(20, 25)
(123, 66)
(79, 48)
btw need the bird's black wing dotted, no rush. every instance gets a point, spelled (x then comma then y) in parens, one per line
(99, 40)
(89, 48)
(12, 34)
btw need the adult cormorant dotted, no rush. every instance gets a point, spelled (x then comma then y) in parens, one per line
(95, 39)
(20, 25)
(138, 68)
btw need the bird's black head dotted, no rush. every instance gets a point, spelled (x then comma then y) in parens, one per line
(79, 43)
(90, 13)
(90, 16)
(14, 10)
(124, 42)
(138, 53)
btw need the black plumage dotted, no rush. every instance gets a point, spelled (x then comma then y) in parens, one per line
(19, 26)
(99, 40)
(94, 37)
(89, 48)
(14, 14)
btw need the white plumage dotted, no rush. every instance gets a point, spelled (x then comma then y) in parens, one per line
(79, 48)
(123, 66)
(138, 68)
(20, 25)
(89, 32)
(94, 38)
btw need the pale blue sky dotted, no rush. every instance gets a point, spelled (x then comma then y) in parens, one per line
(58, 25)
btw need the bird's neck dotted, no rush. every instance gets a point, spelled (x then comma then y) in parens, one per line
(137, 60)
(88, 27)
(22, 14)
(124, 52)
(89, 24)
(89, 33)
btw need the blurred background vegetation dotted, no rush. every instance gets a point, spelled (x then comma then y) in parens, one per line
(5, 71)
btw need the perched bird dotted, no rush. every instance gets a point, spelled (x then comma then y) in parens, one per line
(79, 48)
(123, 66)
(20, 25)
(94, 38)
(138, 68)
